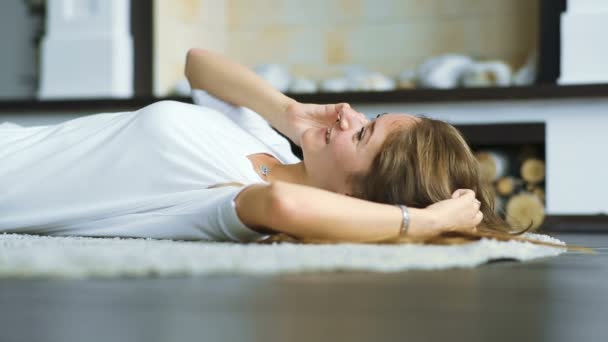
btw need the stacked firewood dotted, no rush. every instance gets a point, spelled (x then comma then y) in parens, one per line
(517, 182)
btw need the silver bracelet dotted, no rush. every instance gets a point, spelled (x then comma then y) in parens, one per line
(405, 223)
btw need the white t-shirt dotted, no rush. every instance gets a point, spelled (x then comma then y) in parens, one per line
(143, 173)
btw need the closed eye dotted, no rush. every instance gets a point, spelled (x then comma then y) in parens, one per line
(361, 132)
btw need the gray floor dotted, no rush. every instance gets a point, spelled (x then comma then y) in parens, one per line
(554, 299)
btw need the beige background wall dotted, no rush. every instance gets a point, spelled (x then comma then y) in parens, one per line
(315, 38)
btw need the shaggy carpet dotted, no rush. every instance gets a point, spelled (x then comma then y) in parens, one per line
(35, 256)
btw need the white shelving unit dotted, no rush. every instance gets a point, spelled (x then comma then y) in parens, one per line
(88, 50)
(584, 46)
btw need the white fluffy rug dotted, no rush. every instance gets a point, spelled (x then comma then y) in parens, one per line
(82, 257)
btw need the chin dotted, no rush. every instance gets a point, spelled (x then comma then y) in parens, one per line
(305, 142)
(312, 143)
(311, 138)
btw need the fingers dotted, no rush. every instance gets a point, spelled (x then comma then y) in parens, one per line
(341, 106)
(462, 211)
(345, 117)
(463, 192)
(335, 109)
(457, 193)
(469, 195)
(473, 221)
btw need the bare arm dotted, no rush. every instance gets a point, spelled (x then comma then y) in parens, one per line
(234, 83)
(307, 212)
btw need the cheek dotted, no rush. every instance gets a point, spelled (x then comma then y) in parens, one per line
(343, 154)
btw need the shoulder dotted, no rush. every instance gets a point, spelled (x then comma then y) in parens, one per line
(169, 111)
(168, 106)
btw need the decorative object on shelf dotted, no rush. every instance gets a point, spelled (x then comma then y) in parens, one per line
(444, 71)
(275, 74)
(335, 85)
(303, 86)
(406, 79)
(361, 79)
(584, 47)
(493, 164)
(526, 75)
(523, 209)
(453, 70)
(380, 82)
(487, 74)
(87, 50)
(371, 82)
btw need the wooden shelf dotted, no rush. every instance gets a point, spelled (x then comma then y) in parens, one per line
(504, 134)
(462, 94)
(575, 223)
(397, 96)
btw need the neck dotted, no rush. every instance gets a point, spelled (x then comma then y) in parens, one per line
(292, 173)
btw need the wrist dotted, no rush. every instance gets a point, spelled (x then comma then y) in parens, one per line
(422, 222)
(289, 105)
(289, 119)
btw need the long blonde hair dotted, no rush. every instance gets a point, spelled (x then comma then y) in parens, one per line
(423, 164)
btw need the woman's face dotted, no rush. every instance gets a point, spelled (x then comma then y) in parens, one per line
(330, 159)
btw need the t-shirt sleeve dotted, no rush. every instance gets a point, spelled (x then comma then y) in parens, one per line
(214, 216)
(226, 221)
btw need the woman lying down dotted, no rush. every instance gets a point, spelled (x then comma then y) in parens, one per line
(216, 170)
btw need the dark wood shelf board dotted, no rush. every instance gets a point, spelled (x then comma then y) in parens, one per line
(397, 96)
(504, 134)
(78, 105)
(575, 224)
(461, 94)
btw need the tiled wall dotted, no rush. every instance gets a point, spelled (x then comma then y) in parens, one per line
(178, 26)
(317, 37)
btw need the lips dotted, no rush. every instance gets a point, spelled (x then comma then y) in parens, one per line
(329, 130)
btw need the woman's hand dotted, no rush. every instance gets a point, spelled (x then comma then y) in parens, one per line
(460, 213)
(302, 116)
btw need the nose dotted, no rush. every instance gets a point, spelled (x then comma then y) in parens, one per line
(350, 117)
